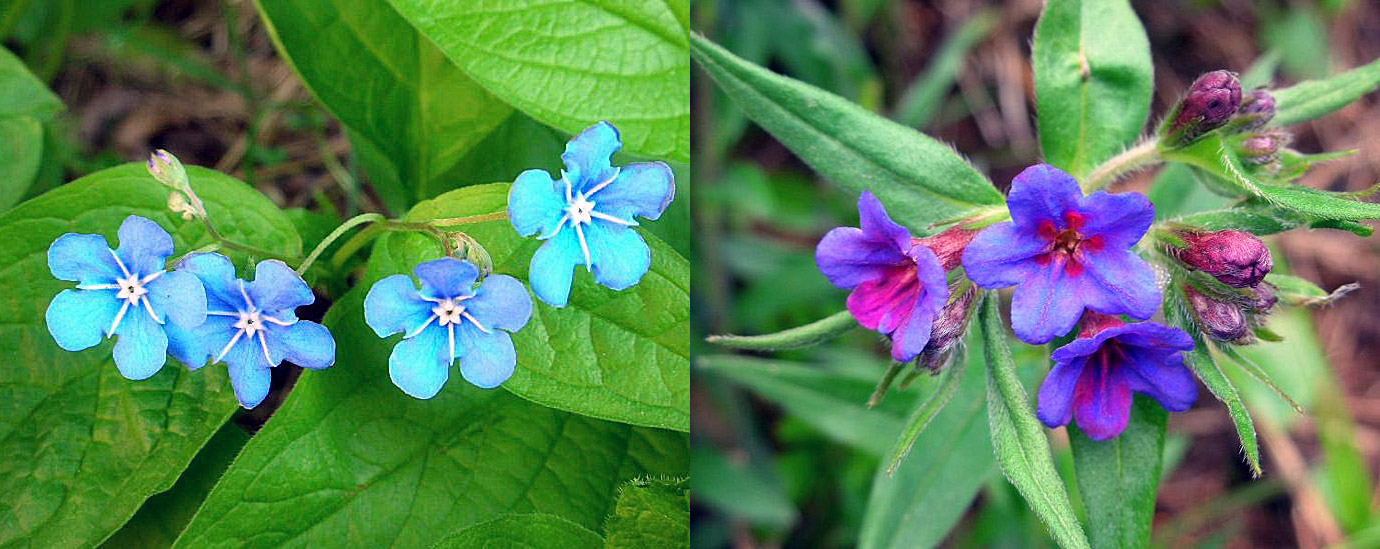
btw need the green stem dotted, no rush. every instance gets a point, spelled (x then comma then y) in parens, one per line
(453, 221)
(355, 243)
(1144, 154)
(337, 233)
(240, 246)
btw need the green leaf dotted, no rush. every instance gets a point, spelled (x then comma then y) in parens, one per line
(163, 516)
(738, 490)
(1019, 439)
(1316, 98)
(650, 513)
(1118, 478)
(572, 64)
(80, 446)
(920, 179)
(332, 464)
(925, 413)
(621, 356)
(523, 531)
(1321, 205)
(936, 484)
(1093, 80)
(22, 93)
(25, 103)
(412, 114)
(808, 335)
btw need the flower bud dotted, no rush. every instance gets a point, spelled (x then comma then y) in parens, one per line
(1262, 299)
(167, 169)
(1263, 148)
(1220, 320)
(1236, 258)
(1210, 104)
(177, 202)
(1257, 109)
(948, 246)
(465, 247)
(948, 329)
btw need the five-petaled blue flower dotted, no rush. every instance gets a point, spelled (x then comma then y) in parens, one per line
(1065, 252)
(124, 292)
(251, 326)
(586, 217)
(898, 284)
(448, 319)
(1093, 376)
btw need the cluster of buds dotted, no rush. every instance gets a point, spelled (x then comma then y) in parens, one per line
(463, 246)
(1216, 101)
(168, 170)
(1239, 261)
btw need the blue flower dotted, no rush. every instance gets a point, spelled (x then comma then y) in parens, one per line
(251, 326)
(586, 217)
(448, 319)
(1065, 252)
(124, 292)
(1093, 376)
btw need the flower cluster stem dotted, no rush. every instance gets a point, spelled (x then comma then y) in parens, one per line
(1143, 155)
(454, 221)
(240, 246)
(336, 234)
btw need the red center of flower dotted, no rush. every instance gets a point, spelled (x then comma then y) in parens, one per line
(1066, 244)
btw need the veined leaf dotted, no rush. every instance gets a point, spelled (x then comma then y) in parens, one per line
(1118, 479)
(412, 114)
(650, 513)
(571, 64)
(1093, 80)
(526, 530)
(25, 103)
(81, 447)
(920, 179)
(1018, 437)
(1316, 98)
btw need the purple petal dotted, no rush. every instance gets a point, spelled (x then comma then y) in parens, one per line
(1102, 401)
(1002, 256)
(885, 303)
(877, 224)
(848, 257)
(1120, 219)
(83, 258)
(1047, 305)
(446, 277)
(642, 189)
(144, 245)
(1119, 282)
(1055, 404)
(1163, 377)
(1042, 193)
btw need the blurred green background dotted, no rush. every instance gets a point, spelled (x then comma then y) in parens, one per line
(785, 452)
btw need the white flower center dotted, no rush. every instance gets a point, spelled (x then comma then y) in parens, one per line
(448, 313)
(129, 289)
(580, 212)
(249, 322)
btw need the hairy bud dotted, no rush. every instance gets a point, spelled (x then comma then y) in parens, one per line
(1263, 148)
(948, 246)
(1220, 320)
(1236, 258)
(1257, 109)
(1210, 104)
(464, 246)
(1263, 298)
(167, 169)
(948, 328)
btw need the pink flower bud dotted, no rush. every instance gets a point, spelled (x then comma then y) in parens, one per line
(1236, 258)
(948, 246)
(948, 329)
(1257, 109)
(1210, 104)
(1220, 320)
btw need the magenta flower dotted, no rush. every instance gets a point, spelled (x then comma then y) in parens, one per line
(1065, 252)
(898, 284)
(1093, 376)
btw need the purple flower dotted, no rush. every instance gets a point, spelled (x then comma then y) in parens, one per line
(1093, 376)
(898, 285)
(1065, 252)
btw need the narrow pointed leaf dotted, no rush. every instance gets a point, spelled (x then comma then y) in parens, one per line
(924, 414)
(1316, 98)
(808, 335)
(1118, 478)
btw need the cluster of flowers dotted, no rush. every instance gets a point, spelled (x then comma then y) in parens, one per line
(1072, 261)
(200, 313)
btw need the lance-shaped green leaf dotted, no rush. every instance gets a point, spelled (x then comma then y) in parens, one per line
(920, 179)
(1018, 438)
(412, 114)
(25, 103)
(571, 64)
(523, 530)
(650, 513)
(332, 464)
(1316, 98)
(81, 447)
(1093, 80)
(621, 356)
(1302, 292)
(1118, 478)
(808, 335)
(925, 413)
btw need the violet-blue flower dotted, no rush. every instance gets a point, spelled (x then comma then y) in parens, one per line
(1065, 252)
(898, 284)
(1094, 376)
(448, 319)
(251, 326)
(586, 217)
(125, 292)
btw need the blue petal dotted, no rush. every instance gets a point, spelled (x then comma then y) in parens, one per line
(620, 255)
(1055, 404)
(877, 224)
(1002, 255)
(78, 318)
(1120, 219)
(643, 189)
(910, 338)
(848, 257)
(553, 268)
(141, 347)
(1047, 305)
(178, 297)
(1102, 402)
(446, 277)
(1121, 283)
(1042, 193)
(305, 343)
(144, 245)
(500, 303)
(195, 346)
(536, 203)
(1163, 377)
(217, 276)
(276, 287)
(83, 258)
(250, 378)
(488, 359)
(394, 306)
(587, 155)
(420, 365)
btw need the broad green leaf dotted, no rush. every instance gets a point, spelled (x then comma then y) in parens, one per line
(1018, 437)
(412, 114)
(81, 447)
(920, 179)
(523, 531)
(22, 93)
(621, 356)
(1320, 205)
(571, 64)
(1093, 80)
(935, 485)
(25, 103)
(650, 513)
(163, 516)
(1316, 98)
(1118, 479)
(331, 466)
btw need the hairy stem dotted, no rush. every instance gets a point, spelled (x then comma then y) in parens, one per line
(1143, 155)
